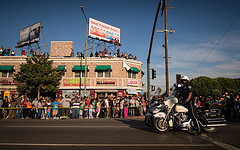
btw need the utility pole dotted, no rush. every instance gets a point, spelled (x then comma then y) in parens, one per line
(166, 50)
(166, 46)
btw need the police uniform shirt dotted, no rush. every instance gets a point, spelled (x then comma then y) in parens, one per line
(186, 89)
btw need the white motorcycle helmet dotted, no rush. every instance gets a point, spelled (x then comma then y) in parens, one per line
(185, 78)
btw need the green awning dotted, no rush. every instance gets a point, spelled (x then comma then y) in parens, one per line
(6, 68)
(79, 68)
(134, 69)
(103, 67)
(61, 67)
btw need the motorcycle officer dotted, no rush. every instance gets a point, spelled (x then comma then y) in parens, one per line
(187, 100)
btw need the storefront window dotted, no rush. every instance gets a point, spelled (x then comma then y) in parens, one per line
(83, 74)
(129, 75)
(4, 74)
(10, 74)
(77, 74)
(134, 75)
(100, 74)
(108, 73)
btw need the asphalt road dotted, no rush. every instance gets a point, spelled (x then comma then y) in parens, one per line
(109, 134)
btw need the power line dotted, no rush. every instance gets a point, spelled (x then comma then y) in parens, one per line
(216, 45)
(161, 25)
(158, 60)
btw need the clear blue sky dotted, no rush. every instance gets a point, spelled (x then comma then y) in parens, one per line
(199, 25)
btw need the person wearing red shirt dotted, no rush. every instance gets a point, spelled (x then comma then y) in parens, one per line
(23, 53)
(24, 106)
(87, 102)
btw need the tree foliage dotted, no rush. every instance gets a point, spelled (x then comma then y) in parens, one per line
(206, 86)
(36, 75)
(159, 90)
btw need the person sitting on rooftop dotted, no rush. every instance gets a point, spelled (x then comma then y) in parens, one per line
(23, 53)
(82, 55)
(91, 55)
(110, 55)
(12, 53)
(130, 56)
(96, 54)
(135, 58)
(118, 53)
(31, 53)
(78, 54)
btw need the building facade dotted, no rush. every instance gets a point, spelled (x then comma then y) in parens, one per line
(106, 77)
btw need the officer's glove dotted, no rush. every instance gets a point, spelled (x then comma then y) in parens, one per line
(184, 102)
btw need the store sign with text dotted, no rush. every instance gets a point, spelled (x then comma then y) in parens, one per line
(105, 82)
(132, 83)
(7, 82)
(74, 82)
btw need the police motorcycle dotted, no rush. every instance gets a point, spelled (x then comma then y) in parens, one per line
(155, 107)
(175, 116)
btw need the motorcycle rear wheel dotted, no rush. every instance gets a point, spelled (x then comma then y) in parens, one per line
(160, 126)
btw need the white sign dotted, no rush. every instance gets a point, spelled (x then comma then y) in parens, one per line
(103, 31)
(132, 83)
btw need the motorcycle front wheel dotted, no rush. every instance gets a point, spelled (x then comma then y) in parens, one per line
(148, 121)
(210, 129)
(160, 126)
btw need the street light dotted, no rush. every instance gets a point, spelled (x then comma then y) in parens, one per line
(80, 82)
(85, 78)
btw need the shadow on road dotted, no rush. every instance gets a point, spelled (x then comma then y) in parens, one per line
(136, 124)
(140, 125)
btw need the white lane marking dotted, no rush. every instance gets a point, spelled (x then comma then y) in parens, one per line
(219, 143)
(71, 126)
(107, 145)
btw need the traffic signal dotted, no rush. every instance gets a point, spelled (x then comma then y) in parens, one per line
(178, 78)
(154, 74)
(152, 87)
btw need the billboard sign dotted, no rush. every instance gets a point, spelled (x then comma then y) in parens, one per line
(103, 31)
(29, 35)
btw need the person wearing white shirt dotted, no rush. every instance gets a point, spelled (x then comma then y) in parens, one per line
(107, 107)
(132, 107)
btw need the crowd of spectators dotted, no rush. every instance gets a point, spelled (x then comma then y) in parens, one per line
(9, 52)
(100, 54)
(106, 54)
(20, 107)
(229, 104)
(6, 51)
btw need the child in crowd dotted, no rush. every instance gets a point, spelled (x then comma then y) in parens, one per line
(90, 111)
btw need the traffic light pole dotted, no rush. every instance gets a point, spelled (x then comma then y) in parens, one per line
(149, 53)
